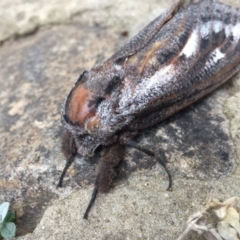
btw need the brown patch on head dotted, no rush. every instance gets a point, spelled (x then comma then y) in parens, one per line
(78, 109)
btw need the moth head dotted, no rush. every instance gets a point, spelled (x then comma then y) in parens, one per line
(84, 102)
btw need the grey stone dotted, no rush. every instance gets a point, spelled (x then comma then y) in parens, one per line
(200, 144)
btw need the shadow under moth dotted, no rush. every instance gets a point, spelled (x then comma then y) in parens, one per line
(182, 55)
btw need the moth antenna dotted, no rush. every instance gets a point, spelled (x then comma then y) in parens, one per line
(67, 165)
(133, 144)
(92, 200)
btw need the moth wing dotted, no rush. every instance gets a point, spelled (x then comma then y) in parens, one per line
(208, 58)
(143, 37)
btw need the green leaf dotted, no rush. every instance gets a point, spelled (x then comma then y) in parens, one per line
(10, 217)
(8, 230)
(3, 210)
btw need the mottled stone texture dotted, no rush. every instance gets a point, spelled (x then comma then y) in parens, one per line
(200, 144)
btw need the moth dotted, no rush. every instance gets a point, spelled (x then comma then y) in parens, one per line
(182, 55)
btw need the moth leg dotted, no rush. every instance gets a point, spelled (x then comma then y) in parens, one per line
(67, 165)
(69, 150)
(130, 143)
(107, 172)
(92, 200)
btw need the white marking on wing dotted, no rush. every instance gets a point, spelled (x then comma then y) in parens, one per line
(205, 29)
(191, 46)
(217, 26)
(162, 76)
(214, 58)
(218, 55)
(236, 31)
(146, 89)
(227, 30)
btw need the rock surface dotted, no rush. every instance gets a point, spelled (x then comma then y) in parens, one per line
(200, 144)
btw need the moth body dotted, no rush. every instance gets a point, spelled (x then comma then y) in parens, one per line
(178, 58)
